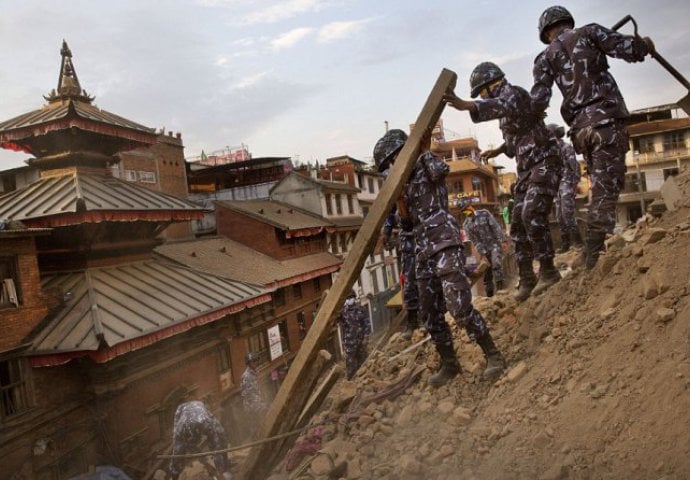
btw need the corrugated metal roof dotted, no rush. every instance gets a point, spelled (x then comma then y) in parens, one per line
(61, 110)
(85, 192)
(230, 259)
(281, 215)
(112, 305)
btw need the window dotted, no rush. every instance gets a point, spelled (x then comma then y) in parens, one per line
(130, 175)
(10, 296)
(146, 177)
(370, 183)
(334, 243)
(670, 172)
(329, 207)
(633, 181)
(279, 297)
(343, 242)
(457, 187)
(350, 205)
(339, 204)
(644, 144)
(316, 284)
(380, 183)
(360, 181)
(365, 211)
(374, 280)
(674, 141)
(297, 290)
(385, 278)
(13, 388)
(258, 343)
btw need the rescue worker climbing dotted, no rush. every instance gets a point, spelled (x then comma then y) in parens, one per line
(439, 259)
(539, 165)
(486, 235)
(593, 107)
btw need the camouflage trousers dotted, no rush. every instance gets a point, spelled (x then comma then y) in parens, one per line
(355, 355)
(443, 284)
(604, 151)
(410, 292)
(565, 208)
(495, 272)
(529, 228)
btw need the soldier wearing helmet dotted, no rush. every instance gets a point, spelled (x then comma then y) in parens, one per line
(593, 107)
(440, 261)
(252, 396)
(486, 235)
(354, 329)
(539, 165)
(565, 199)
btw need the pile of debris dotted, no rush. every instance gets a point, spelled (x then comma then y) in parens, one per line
(597, 385)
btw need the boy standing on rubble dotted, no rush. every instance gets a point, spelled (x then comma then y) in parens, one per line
(439, 258)
(593, 107)
(539, 164)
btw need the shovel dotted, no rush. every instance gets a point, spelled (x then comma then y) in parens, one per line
(684, 102)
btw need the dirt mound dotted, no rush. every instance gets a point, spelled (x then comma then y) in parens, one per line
(597, 385)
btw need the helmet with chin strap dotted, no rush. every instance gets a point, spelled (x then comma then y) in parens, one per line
(387, 147)
(484, 75)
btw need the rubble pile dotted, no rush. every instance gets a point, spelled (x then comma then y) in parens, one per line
(598, 383)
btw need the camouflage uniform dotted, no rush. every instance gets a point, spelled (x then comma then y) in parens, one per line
(594, 109)
(440, 259)
(354, 324)
(539, 167)
(406, 246)
(487, 237)
(193, 423)
(565, 202)
(252, 397)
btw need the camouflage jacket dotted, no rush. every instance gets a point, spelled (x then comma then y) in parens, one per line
(534, 147)
(405, 234)
(571, 169)
(483, 231)
(577, 62)
(354, 324)
(192, 423)
(252, 398)
(427, 202)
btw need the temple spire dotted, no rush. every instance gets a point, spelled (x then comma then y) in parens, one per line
(68, 82)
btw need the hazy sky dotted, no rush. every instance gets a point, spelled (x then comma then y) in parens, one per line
(310, 79)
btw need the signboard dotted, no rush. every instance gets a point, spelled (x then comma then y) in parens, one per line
(274, 343)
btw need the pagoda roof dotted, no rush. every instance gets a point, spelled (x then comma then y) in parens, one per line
(76, 197)
(110, 311)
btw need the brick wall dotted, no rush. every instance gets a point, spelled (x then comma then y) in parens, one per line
(241, 228)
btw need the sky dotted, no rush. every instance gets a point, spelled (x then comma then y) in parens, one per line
(310, 79)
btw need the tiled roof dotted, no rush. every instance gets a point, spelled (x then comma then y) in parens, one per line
(107, 306)
(61, 110)
(278, 214)
(230, 259)
(78, 192)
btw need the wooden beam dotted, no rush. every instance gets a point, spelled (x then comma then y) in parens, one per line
(292, 396)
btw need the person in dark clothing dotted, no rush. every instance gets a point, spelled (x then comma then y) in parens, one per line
(567, 188)
(193, 425)
(539, 165)
(593, 107)
(354, 327)
(487, 237)
(440, 259)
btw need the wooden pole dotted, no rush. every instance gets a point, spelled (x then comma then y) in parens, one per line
(292, 395)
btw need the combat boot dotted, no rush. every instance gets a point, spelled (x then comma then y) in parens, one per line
(548, 275)
(595, 244)
(576, 239)
(495, 363)
(565, 243)
(411, 326)
(528, 280)
(450, 366)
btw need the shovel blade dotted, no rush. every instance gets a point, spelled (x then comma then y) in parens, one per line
(684, 103)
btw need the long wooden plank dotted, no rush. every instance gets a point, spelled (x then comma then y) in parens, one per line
(292, 395)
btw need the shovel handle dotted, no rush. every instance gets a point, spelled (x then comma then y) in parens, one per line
(654, 54)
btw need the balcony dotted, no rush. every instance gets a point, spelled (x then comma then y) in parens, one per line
(669, 153)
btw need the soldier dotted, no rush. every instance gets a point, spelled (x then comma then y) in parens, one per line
(593, 107)
(565, 200)
(487, 237)
(252, 397)
(192, 425)
(354, 328)
(539, 166)
(439, 259)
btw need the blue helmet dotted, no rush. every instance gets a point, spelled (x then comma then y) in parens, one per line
(387, 147)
